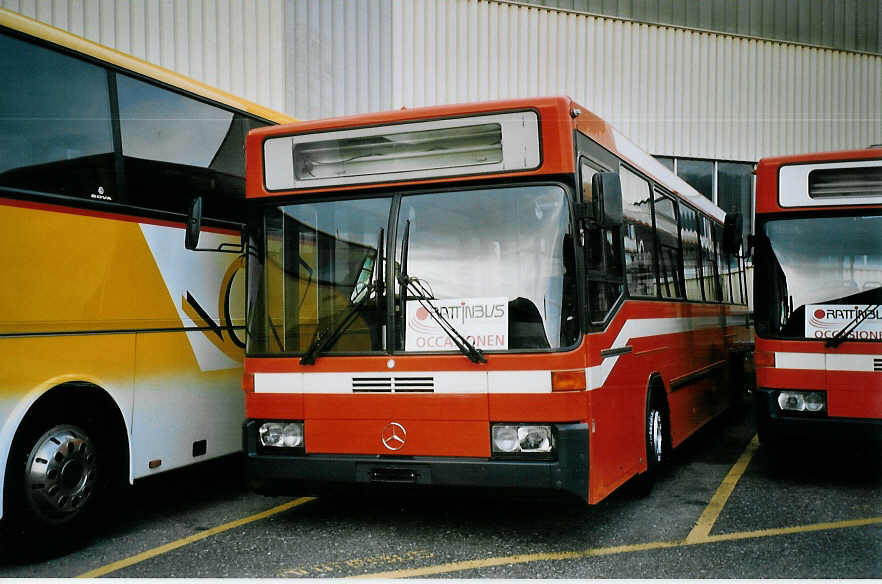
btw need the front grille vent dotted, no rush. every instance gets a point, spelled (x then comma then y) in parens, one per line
(877, 364)
(393, 384)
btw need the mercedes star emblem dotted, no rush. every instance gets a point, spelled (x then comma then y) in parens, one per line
(394, 435)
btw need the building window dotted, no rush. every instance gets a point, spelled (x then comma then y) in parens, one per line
(699, 174)
(667, 161)
(735, 191)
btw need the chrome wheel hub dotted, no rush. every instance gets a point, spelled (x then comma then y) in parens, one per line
(655, 435)
(61, 473)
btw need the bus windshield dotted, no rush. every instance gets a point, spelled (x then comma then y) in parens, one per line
(497, 263)
(813, 267)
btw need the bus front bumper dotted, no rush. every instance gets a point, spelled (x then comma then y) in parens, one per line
(313, 474)
(774, 425)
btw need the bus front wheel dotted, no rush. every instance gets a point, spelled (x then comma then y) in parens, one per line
(657, 433)
(61, 474)
(657, 437)
(56, 478)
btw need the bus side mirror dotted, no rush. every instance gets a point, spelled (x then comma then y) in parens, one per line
(606, 189)
(732, 230)
(194, 223)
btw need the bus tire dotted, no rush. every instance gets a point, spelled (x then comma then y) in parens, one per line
(657, 436)
(60, 472)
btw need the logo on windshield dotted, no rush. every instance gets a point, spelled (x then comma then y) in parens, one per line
(864, 322)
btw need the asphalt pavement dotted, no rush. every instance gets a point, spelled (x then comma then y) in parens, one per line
(724, 508)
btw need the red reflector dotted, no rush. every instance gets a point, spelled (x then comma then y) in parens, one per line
(763, 359)
(568, 380)
(248, 381)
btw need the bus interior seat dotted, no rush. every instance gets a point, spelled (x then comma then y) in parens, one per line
(525, 327)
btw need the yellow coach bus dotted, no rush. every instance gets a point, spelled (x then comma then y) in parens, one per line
(120, 351)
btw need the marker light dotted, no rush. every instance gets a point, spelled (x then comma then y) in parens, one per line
(281, 434)
(802, 401)
(568, 380)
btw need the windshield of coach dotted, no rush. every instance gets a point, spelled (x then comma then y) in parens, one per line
(815, 274)
(497, 263)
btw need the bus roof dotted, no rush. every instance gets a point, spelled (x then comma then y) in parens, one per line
(559, 117)
(56, 36)
(869, 153)
(772, 185)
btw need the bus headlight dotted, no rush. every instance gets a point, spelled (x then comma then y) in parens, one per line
(521, 439)
(802, 401)
(281, 434)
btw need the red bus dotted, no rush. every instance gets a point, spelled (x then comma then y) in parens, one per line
(507, 295)
(818, 290)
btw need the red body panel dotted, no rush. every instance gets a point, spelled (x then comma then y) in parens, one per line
(850, 394)
(458, 424)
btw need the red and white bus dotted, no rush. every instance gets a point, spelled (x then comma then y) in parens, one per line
(818, 295)
(508, 295)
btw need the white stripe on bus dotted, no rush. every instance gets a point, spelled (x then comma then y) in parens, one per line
(496, 382)
(822, 362)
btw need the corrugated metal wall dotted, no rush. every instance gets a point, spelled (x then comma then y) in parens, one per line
(852, 25)
(673, 91)
(235, 45)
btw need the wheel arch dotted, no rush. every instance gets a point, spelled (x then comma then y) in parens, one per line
(655, 385)
(66, 395)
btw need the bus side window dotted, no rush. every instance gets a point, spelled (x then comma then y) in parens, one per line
(639, 239)
(175, 147)
(691, 253)
(56, 134)
(709, 262)
(602, 261)
(667, 230)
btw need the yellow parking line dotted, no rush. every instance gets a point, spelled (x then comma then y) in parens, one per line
(623, 549)
(710, 514)
(521, 559)
(792, 530)
(113, 567)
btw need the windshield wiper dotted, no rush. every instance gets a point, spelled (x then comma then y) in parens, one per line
(326, 337)
(424, 296)
(860, 317)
